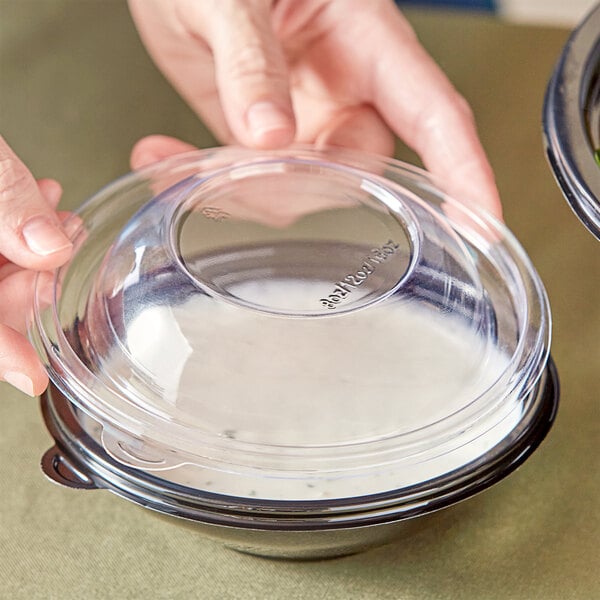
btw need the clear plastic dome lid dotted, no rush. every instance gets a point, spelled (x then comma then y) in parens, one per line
(232, 317)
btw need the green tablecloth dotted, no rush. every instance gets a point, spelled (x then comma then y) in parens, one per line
(76, 90)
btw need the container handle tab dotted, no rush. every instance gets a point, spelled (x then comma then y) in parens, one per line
(59, 469)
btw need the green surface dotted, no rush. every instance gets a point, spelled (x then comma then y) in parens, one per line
(76, 90)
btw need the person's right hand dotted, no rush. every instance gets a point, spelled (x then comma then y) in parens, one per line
(347, 73)
(31, 239)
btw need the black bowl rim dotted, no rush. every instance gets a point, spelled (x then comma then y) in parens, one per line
(87, 465)
(567, 142)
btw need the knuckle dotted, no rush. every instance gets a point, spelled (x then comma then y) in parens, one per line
(426, 120)
(463, 108)
(255, 62)
(451, 111)
(15, 180)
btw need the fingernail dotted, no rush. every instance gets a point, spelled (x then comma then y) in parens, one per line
(266, 117)
(20, 381)
(44, 237)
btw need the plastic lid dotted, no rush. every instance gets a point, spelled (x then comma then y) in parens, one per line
(294, 316)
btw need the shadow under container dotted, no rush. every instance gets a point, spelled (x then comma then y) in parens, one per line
(300, 353)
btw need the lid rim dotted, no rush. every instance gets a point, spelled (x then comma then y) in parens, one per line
(75, 385)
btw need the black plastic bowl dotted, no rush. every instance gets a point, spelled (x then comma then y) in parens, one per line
(572, 121)
(289, 529)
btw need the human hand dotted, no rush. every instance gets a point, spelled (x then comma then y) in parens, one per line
(329, 72)
(31, 239)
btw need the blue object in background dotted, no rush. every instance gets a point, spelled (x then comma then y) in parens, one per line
(487, 5)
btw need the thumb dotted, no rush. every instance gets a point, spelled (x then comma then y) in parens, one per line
(30, 231)
(251, 74)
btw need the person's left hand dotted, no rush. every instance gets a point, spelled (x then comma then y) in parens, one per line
(329, 72)
(33, 241)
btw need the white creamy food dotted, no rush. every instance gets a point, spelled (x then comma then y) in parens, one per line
(329, 383)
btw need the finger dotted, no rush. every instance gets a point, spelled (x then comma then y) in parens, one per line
(18, 286)
(360, 128)
(250, 71)
(423, 108)
(210, 111)
(19, 364)
(396, 75)
(51, 190)
(30, 232)
(184, 58)
(153, 148)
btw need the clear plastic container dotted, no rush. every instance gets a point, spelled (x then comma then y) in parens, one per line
(245, 336)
